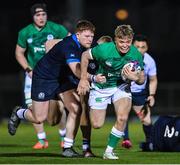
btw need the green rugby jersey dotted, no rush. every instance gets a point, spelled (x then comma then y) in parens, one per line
(33, 40)
(111, 62)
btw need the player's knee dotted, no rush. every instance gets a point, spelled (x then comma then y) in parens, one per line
(122, 118)
(96, 124)
(40, 119)
(74, 108)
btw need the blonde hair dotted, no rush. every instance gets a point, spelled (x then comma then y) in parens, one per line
(103, 39)
(84, 25)
(123, 31)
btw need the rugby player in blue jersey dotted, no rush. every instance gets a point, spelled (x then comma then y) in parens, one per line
(164, 135)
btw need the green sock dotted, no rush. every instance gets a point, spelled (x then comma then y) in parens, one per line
(113, 140)
(42, 141)
(62, 138)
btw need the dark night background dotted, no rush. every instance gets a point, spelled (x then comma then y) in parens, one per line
(158, 19)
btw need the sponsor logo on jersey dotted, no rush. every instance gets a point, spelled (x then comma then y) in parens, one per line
(41, 95)
(72, 55)
(39, 49)
(50, 37)
(29, 40)
(108, 63)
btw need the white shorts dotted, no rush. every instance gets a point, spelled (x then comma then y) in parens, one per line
(27, 90)
(100, 98)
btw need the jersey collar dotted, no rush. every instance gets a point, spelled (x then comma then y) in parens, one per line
(76, 40)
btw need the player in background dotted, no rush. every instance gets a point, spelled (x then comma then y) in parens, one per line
(29, 49)
(111, 57)
(143, 96)
(104, 39)
(164, 135)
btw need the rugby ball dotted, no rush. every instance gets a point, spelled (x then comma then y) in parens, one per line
(134, 66)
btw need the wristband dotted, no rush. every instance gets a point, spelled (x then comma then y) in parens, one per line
(152, 95)
(28, 69)
(93, 78)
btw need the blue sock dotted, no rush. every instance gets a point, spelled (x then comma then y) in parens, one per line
(126, 133)
(147, 132)
(86, 144)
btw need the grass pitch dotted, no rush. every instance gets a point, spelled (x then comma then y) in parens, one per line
(18, 149)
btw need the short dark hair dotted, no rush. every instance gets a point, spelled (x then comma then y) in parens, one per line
(140, 37)
(38, 5)
(84, 25)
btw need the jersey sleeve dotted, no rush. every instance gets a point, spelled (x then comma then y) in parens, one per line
(61, 31)
(152, 68)
(21, 41)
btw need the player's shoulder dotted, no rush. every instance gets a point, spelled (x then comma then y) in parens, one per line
(148, 58)
(68, 43)
(147, 55)
(54, 24)
(27, 29)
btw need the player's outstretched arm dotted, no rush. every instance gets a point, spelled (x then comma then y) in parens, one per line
(83, 85)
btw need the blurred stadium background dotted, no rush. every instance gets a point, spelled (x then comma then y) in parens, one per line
(158, 19)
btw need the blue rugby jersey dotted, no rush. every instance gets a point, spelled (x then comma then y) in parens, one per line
(166, 134)
(54, 64)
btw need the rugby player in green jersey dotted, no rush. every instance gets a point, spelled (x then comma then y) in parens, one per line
(111, 58)
(29, 50)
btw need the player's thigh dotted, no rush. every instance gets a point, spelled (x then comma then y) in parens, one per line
(85, 110)
(99, 99)
(122, 100)
(71, 101)
(40, 110)
(97, 117)
(54, 114)
(61, 107)
(122, 107)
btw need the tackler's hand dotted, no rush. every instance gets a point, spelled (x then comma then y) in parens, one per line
(83, 87)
